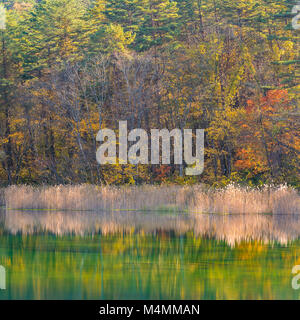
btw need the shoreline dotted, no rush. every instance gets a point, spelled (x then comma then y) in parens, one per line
(194, 199)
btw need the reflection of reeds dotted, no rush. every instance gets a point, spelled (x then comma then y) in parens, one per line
(81, 223)
(230, 228)
(192, 198)
(238, 228)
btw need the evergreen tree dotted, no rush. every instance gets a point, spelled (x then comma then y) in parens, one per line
(54, 32)
(160, 25)
(130, 14)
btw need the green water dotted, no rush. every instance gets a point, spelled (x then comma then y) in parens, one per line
(135, 264)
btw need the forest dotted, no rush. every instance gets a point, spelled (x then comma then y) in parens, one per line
(71, 67)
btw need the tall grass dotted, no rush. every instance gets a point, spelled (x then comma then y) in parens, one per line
(89, 197)
(234, 200)
(2, 197)
(231, 200)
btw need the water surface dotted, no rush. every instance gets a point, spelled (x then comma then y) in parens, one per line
(61, 255)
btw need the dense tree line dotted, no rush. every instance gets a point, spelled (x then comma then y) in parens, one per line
(70, 67)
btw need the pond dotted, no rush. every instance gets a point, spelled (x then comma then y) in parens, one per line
(132, 255)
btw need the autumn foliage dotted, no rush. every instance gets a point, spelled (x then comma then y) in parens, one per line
(71, 67)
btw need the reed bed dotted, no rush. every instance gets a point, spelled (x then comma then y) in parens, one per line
(2, 197)
(94, 198)
(234, 200)
(194, 199)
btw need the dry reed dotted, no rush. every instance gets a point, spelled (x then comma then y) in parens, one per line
(2, 197)
(195, 199)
